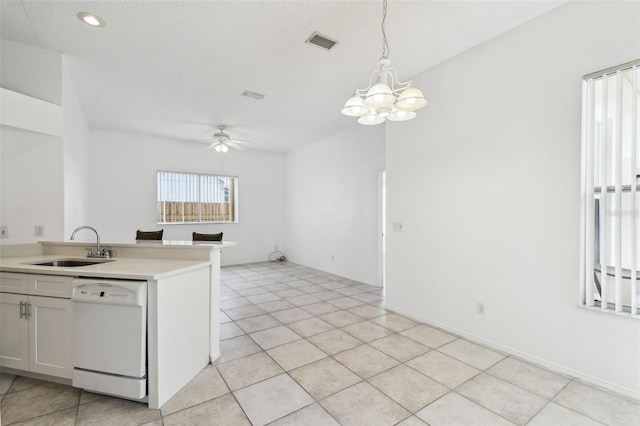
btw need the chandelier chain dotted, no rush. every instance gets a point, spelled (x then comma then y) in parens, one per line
(385, 44)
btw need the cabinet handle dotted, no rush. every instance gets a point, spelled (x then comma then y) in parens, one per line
(28, 306)
(22, 309)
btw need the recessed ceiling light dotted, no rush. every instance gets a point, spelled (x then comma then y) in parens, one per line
(91, 19)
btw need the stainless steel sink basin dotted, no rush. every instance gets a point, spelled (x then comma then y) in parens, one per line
(72, 262)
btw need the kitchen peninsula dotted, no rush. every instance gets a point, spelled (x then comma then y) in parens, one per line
(183, 281)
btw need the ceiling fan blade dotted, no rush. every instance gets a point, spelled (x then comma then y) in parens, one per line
(234, 145)
(213, 145)
(240, 141)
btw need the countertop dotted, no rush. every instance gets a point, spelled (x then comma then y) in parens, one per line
(124, 268)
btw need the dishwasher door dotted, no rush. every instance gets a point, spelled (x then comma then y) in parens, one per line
(110, 336)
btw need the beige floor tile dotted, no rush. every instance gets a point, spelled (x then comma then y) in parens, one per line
(229, 330)
(252, 292)
(334, 341)
(367, 311)
(296, 354)
(272, 399)
(277, 287)
(243, 312)
(263, 298)
(599, 405)
(273, 337)
(249, 370)
(223, 317)
(529, 377)
(412, 421)
(321, 308)
(261, 322)
(34, 401)
(362, 404)
(455, 410)
(310, 327)
(474, 355)
(327, 295)
(220, 411)
(444, 369)
(341, 318)
(399, 347)
(115, 411)
(367, 331)
(205, 386)
(345, 302)
(22, 383)
(291, 315)
(408, 388)
(349, 291)
(332, 285)
(370, 298)
(5, 382)
(59, 418)
(509, 401)
(306, 299)
(395, 322)
(234, 303)
(289, 292)
(365, 361)
(236, 347)
(323, 378)
(557, 415)
(275, 306)
(313, 415)
(429, 336)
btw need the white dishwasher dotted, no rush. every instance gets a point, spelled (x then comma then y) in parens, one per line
(110, 337)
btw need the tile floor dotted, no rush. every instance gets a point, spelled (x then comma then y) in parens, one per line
(304, 347)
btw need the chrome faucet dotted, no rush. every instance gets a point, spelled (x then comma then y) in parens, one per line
(98, 253)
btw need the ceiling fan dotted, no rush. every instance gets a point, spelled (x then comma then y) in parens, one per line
(222, 141)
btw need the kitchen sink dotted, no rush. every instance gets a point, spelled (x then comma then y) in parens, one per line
(71, 262)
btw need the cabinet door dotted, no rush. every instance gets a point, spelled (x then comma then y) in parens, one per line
(14, 332)
(50, 336)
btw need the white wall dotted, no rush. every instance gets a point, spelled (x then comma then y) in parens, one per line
(486, 181)
(75, 156)
(331, 206)
(31, 178)
(123, 191)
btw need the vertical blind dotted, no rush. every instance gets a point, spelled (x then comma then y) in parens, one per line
(189, 197)
(610, 178)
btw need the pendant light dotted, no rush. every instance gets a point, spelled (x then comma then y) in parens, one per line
(386, 98)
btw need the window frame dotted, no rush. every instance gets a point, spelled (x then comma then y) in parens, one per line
(229, 193)
(593, 210)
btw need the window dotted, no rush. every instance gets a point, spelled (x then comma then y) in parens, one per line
(610, 219)
(197, 198)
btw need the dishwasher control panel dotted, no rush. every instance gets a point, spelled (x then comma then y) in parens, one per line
(110, 292)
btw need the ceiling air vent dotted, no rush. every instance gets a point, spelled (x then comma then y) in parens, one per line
(253, 95)
(320, 40)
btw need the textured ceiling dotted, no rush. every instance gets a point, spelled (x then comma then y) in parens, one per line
(176, 68)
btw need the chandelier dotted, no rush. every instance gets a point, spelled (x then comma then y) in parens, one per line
(386, 98)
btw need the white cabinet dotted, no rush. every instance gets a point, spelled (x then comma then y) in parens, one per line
(35, 327)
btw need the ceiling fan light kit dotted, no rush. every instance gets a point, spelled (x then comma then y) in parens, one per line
(386, 98)
(222, 141)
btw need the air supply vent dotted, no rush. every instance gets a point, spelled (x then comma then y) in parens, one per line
(253, 95)
(320, 40)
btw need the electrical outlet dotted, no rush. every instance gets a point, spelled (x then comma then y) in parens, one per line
(4, 231)
(397, 226)
(39, 231)
(480, 308)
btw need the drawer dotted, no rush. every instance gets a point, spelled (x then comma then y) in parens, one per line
(50, 285)
(14, 283)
